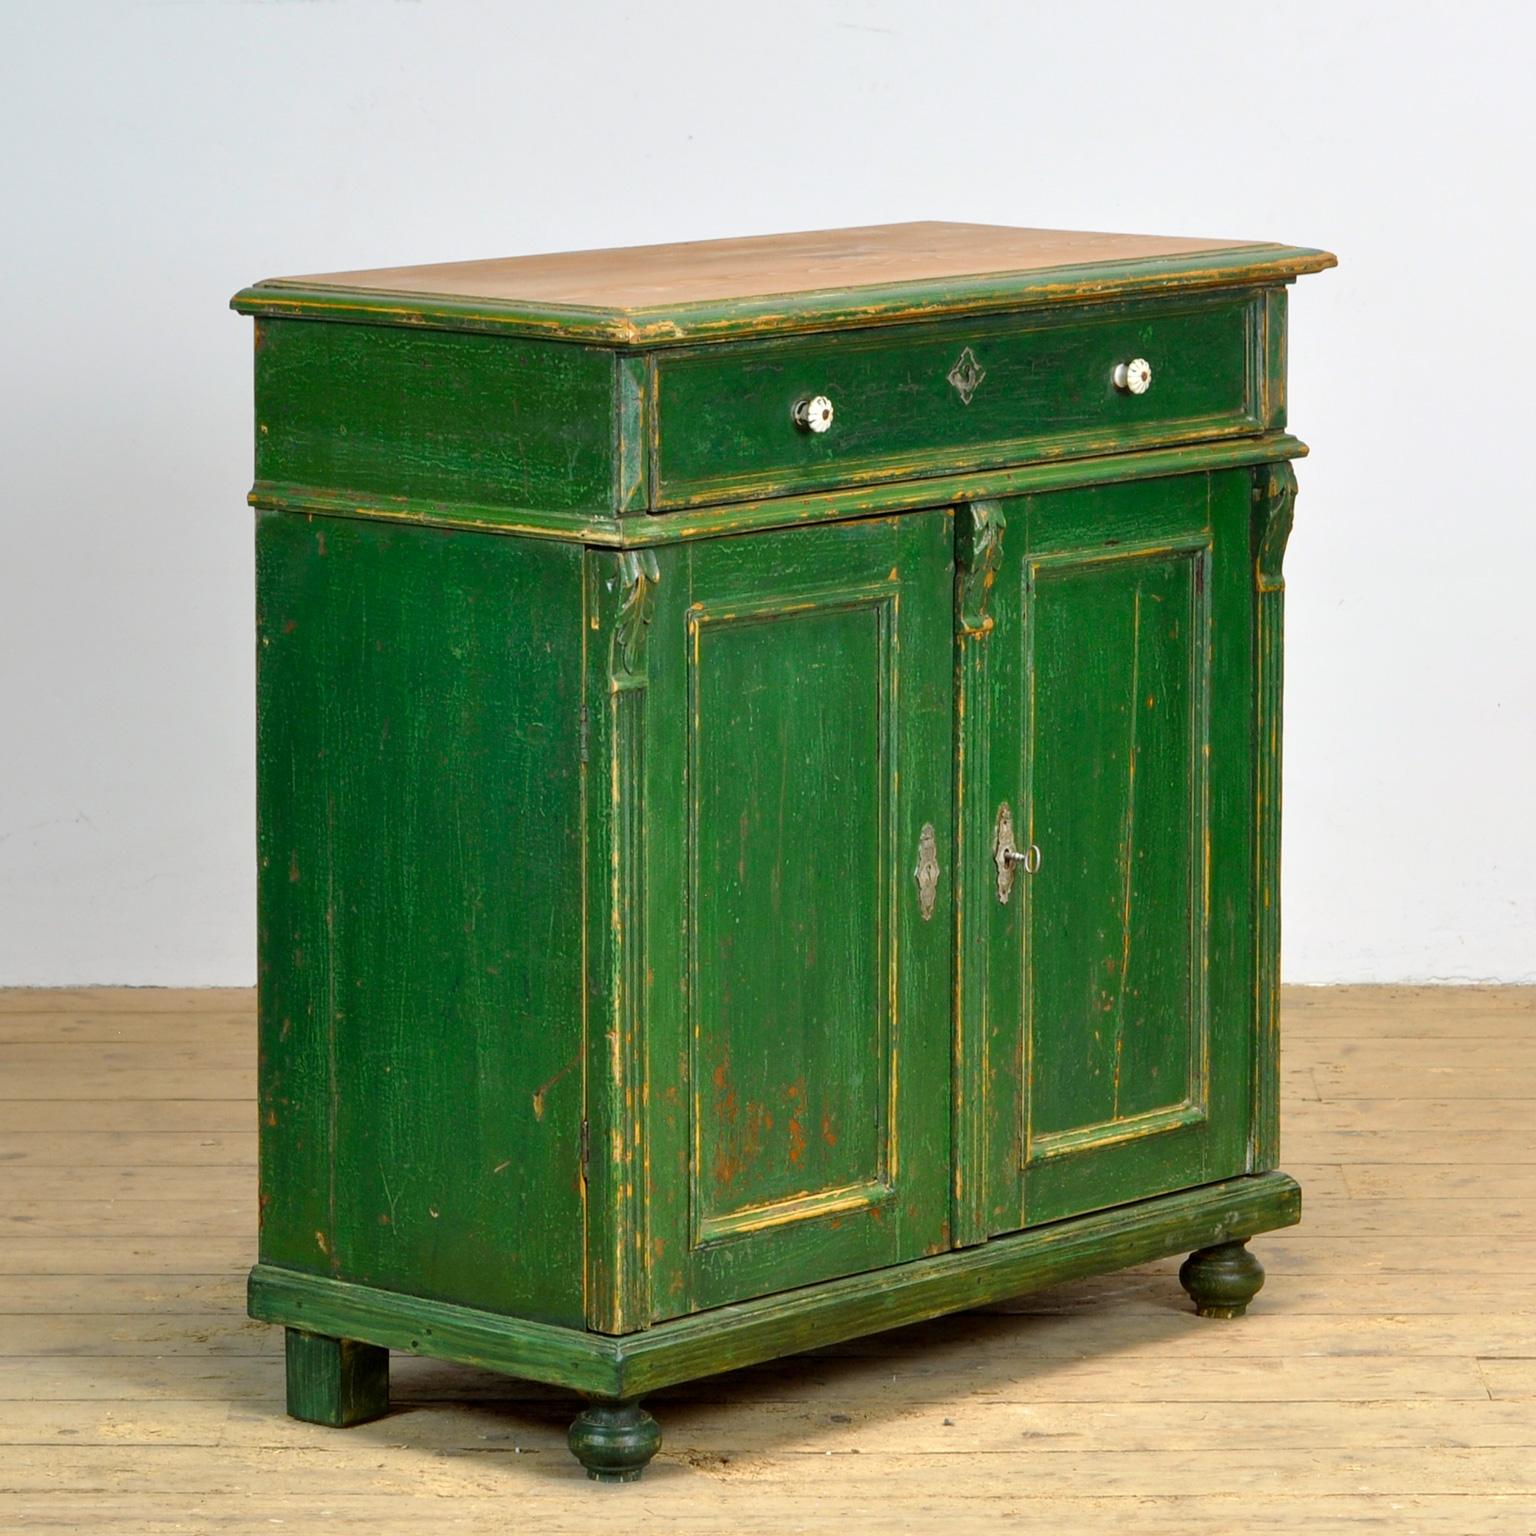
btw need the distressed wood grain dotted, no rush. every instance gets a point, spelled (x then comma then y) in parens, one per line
(420, 891)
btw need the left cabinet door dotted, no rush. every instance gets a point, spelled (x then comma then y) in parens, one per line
(797, 858)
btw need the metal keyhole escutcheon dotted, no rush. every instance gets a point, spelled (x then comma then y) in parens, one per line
(1007, 857)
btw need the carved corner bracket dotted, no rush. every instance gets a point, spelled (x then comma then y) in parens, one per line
(978, 555)
(1277, 511)
(637, 577)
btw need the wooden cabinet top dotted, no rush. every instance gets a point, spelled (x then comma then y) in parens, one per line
(665, 294)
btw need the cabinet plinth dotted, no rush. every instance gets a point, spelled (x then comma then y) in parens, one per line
(768, 800)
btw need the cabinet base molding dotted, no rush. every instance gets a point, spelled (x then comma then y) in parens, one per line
(619, 1370)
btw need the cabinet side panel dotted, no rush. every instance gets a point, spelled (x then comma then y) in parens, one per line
(420, 908)
(428, 420)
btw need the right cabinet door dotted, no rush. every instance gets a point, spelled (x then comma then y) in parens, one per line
(1118, 1017)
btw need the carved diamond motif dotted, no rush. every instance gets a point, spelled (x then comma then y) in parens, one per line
(967, 375)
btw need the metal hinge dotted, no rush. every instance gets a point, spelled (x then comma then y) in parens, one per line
(586, 727)
(586, 1151)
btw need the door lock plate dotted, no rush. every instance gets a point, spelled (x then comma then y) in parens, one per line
(1007, 857)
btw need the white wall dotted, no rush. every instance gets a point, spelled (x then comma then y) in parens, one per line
(159, 155)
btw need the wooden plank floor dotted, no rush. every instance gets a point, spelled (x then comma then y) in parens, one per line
(1385, 1380)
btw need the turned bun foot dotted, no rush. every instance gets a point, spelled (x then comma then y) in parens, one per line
(614, 1441)
(1221, 1281)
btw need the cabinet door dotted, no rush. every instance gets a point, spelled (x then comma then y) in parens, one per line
(798, 788)
(1117, 1052)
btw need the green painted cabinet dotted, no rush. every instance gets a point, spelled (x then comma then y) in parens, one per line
(768, 796)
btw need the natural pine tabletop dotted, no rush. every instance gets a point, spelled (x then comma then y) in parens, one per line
(782, 282)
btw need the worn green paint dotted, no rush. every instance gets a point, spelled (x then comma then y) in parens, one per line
(551, 437)
(633, 413)
(374, 411)
(614, 1441)
(1110, 707)
(619, 592)
(792, 1320)
(599, 530)
(603, 1038)
(1274, 502)
(1222, 1280)
(336, 1382)
(797, 1082)
(722, 413)
(420, 908)
(1134, 733)
(1272, 359)
(1115, 786)
(980, 536)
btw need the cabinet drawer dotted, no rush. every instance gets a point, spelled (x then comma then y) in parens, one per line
(927, 398)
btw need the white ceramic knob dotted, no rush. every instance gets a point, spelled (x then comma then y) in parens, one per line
(1134, 376)
(813, 415)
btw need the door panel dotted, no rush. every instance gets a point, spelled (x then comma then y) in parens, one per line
(800, 1034)
(791, 776)
(1116, 1020)
(1119, 1004)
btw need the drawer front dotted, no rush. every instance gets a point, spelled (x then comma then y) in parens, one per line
(929, 398)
